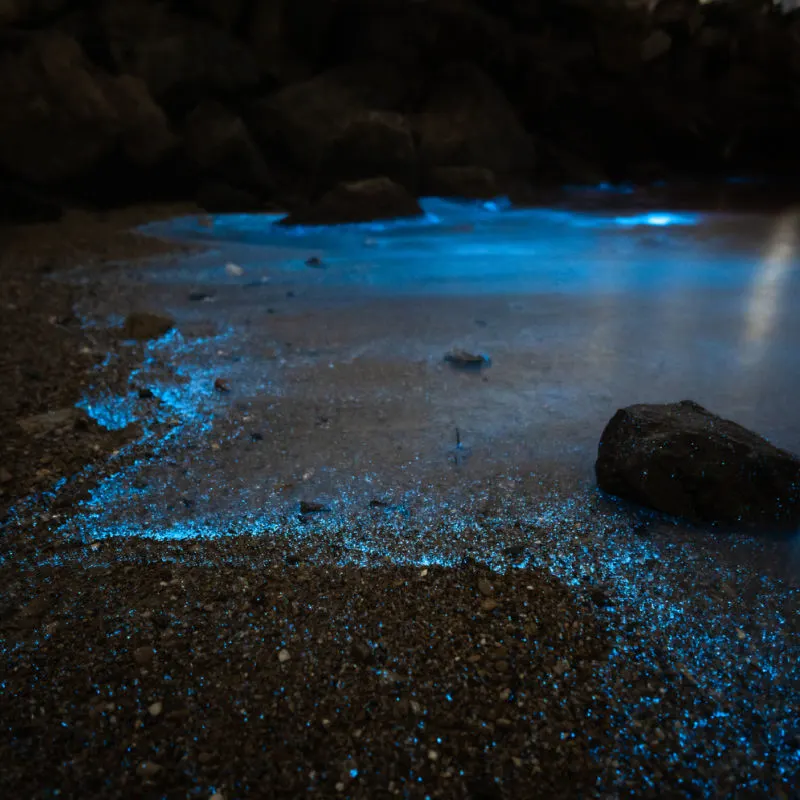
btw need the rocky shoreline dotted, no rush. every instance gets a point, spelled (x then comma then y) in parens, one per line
(257, 104)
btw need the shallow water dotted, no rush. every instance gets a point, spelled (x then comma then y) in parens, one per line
(342, 364)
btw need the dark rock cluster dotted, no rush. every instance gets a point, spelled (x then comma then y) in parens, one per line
(250, 104)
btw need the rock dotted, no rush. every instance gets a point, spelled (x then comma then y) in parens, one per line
(56, 122)
(266, 33)
(143, 325)
(362, 652)
(284, 656)
(373, 143)
(485, 587)
(179, 58)
(155, 709)
(476, 183)
(657, 44)
(148, 770)
(144, 655)
(223, 12)
(681, 459)
(464, 360)
(303, 119)
(217, 197)
(14, 12)
(146, 135)
(219, 147)
(60, 421)
(363, 201)
(5, 476)
(468, 122)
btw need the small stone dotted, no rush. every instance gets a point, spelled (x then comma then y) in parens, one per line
(464, 360)
(339, 787)
(314, 261)
(433, 755)
(217, 796)
(143, 325)
(36, 608)
(148, 769)
(5, 475)
(234, 270)
(283, 656)
(155, 709)
(144, 655)
(362, 652)
(51, 422)
(740, 634)
(221, 385)
(489, 604)
(485, 588)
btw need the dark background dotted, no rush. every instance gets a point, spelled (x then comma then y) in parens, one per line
(250, 104)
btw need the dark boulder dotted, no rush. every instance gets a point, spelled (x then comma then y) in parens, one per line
(56, 122)
(145, 132)
(303, 119)
(681, 459)
(179, 58)
(219, 147)
(469, 122)
(374, 143)
(16, 12)
(363, 201)
(226, 13)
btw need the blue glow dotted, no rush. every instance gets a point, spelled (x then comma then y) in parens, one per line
(658, 220)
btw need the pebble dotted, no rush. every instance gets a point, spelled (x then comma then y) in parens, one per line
(464, 360)
(155, 709)
(144, 655)
(144, 325)
(234, 270)
(484, 587)
(283, 656)
(148, 769)
(5, 475)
